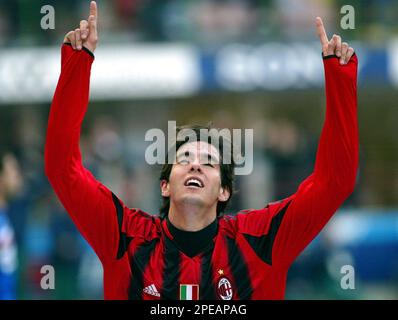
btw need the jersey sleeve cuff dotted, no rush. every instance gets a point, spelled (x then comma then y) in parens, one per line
(84, 49)
(332, 56)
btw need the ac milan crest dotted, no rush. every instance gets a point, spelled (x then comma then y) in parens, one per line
(224, 289)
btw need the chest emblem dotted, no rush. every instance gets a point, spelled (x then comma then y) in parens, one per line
(224, 289)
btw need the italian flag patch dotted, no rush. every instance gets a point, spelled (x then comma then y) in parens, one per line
(189, 292)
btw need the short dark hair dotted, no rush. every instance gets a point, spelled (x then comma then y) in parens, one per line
(223, 145)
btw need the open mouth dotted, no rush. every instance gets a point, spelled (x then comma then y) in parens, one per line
(194, 182)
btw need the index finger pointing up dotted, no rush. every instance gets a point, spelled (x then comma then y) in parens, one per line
(321, 32)
(92, 19)
(93, 9)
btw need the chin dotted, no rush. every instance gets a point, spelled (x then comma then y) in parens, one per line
(194, 200)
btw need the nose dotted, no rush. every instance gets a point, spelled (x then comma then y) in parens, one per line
(195, 166)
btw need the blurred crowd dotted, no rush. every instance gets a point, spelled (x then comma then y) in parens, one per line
(208, 22)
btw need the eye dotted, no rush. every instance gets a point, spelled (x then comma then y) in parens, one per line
(209, 161)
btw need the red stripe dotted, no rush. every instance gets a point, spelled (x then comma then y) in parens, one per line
(166, 229)
(195, 293)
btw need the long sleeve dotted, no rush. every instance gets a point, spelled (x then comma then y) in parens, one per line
(333, 180)
(280, 231)
(90, 204)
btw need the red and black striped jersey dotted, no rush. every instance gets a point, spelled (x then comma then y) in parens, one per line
(239, 261)
(248, 255)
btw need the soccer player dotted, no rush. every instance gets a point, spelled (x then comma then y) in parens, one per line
(191, 250)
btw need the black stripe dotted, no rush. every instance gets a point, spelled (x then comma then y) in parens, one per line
(124, 241)
(329, 56)
(332, 56)
(239, 270)
(207, 289)
(263, 245)
(88, 51)
(84, 48)
(139, 262)
(172, 270)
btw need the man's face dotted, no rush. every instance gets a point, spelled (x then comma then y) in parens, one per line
(195, 178)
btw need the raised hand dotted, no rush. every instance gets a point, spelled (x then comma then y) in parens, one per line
(334, 46)
(86, 35)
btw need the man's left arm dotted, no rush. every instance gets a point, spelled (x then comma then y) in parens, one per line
(303, 215)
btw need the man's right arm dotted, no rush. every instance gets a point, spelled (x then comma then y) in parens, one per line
(90, 204)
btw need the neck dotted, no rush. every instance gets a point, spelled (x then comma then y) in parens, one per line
(191, 218)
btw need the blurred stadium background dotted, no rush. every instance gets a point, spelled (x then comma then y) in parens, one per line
(242, 64)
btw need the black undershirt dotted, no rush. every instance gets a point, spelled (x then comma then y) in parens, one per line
(193, 242)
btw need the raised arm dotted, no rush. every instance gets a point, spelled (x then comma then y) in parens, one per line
(90, 204)
(304, 214)
(279, 232)
(337, 156)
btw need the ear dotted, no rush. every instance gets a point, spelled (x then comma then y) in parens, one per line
(224, 194)
(164, 188)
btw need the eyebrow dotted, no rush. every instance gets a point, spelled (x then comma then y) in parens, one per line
(211, 158)
(187, 154)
